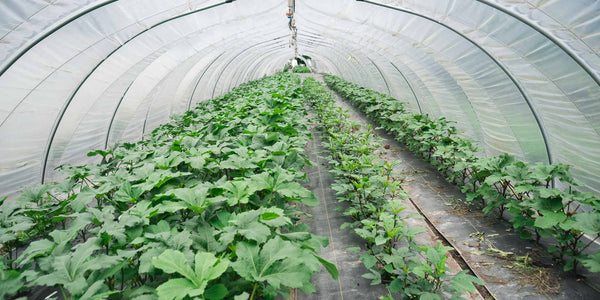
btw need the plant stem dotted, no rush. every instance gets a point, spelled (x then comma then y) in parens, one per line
(254, 291)
(63, 292)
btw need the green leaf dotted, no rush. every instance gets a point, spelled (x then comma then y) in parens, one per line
(237, 192)
(247, 225)
(177, 288)
(396, 286)
(216, 292)
(592, 262)
(430, 296)
(206, 267)
(242, 296)
(329, 266)
(127, 193)
(172, 261)
(275, 217)
(464, 282)
(380, 240)
(85, 197)
(368, 260)
(195, 199)
(588, 222)
(276, 263)
(69, 270)
(35, 249)
(549, 219)
(11, 281)
(297, 191)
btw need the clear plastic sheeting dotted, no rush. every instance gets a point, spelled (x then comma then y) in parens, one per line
(520, 77)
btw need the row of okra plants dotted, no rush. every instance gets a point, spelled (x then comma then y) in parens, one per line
(366, 182)
(501, 183)
(203, 208)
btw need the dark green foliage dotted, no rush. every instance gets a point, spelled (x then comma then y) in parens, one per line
(301, 69)
(187, 213)
(500, 183)
(367, 183)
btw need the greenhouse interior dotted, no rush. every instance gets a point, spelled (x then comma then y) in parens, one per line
(309, 149)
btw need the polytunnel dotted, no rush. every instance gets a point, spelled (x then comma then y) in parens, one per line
(517, 77)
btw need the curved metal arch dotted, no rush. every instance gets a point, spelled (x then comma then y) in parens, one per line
(145, 120)
(322, 43)
(150, 106)
(549, 36)
(259, 61)
(335, 65)
(489, 55)
(358, 69)
(53, 30)
(200, 78)
(112, 119)
(387, 86)
(252, 69)
(240, 53)
(121, 100)
(324, 58)
(409, 86)
(66, 105)
(237, 78)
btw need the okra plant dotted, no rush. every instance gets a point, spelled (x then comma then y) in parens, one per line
(365, 180)
(204, 207)
(502, 183)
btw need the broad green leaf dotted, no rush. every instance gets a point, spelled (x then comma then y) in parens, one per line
(396, 286)
(206, 267)
(11, 281)
(127, 193)
(172, 261)
(85, 197)
(216, 292)
(69, 270)
(274, 217)
(464, 282)
(276, 263)
(298, 192)
(204, 238)
(549, 219)
(247, 225)
(35, 249)
(368, 260)
(237, 192)
(588, 222)
(242, 296)
(196, 199)
(592, 262)
(178, 288)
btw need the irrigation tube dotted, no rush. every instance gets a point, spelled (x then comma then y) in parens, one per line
(498, 63)
(66, 105)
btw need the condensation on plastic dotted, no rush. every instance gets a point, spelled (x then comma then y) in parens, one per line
(162, 70)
